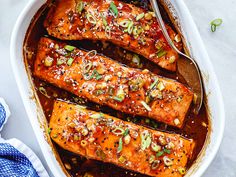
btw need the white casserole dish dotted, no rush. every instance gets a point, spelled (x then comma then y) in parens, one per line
(196, 47)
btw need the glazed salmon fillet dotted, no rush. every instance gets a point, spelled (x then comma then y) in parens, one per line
(105, 138)
(107, 82)
(123, 24)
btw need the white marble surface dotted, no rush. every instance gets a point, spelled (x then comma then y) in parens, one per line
(221, 48)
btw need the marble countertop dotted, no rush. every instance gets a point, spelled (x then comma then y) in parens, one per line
(221, 49)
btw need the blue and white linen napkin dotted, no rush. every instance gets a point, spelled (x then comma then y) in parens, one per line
(16, 159)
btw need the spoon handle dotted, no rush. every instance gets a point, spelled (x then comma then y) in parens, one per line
(195, 82)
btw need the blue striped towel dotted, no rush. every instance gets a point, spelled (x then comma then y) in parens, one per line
(16, 159)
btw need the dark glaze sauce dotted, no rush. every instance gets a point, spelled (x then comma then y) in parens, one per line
(195, 127)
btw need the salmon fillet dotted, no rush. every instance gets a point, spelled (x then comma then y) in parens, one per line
(107, 82)
(123, 24)
(105, 138)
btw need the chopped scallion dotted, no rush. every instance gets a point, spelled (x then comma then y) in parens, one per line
(79, 6)
(69, 48)
(70, 61)
(139, 16)
(215, 23)
(120, 146)
(160, 153)
(43, 91)
(91, 18)
(114, 9)
(154, 84)
(118, 131)
(146, 106)
(161, 53)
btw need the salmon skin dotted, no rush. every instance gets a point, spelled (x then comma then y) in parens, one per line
(123, 24)
(107, 82)
(105, 138)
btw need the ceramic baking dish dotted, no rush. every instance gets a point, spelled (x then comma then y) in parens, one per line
(184, 22)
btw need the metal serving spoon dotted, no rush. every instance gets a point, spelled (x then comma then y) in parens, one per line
(187, 66)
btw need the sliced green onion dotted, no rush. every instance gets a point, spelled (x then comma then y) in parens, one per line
(182, 170)
(91, 54)
(130, 27)
(135, 31)
(114, 9)
(79, 7)
(168, 151)
(69, 48)
(91, 18)
(167, 161)
(87, 67)
(100, 92)
(122, 159)
(136, 59)
(70, 61)
(154, 84)
(126, 132)
(155, 147)
(108, 31)
(104, 21)
(160, 86)
(160, 153)
(215, 23)
(139, 16)
(118, 99)
(120, 146)
(96, 116)
(60, 61)
(161, 53)
(124, 23)
(48, 61)
(146, 106)
(155, 164)
(151, 159)
(118, 131)
(145, 140)
(213, 28)
(43, 91)
(49, 130)
(111, 90)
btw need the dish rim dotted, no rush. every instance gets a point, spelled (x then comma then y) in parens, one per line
(46, 149)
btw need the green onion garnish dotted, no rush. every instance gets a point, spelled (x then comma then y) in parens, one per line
(118, 131)
(104, 21)
(160, 153)
(167, 151)
(43, 91)
(130, 27)
(124, 23)
(122, 159)
(145, 140)
(114, 9)
(91, 18)
(215, 23)
(146, 106)
(87, 67)
(139, 16)
(161, 53)
(154, 84)
(118, 98)
(49, 130)
(126, 132)
(119, 149)
(79, 7)
(70, 61)
(69, 48)
(96, 116)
